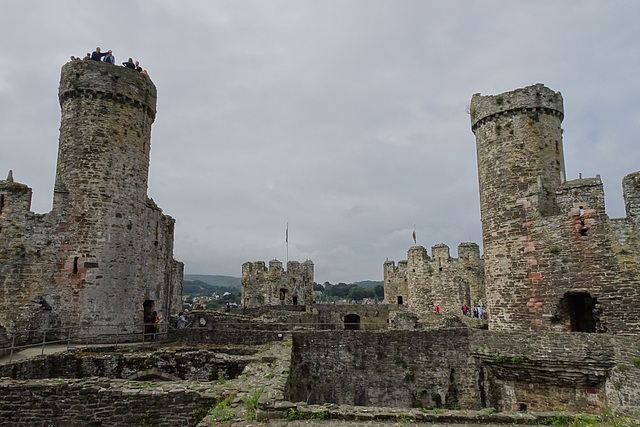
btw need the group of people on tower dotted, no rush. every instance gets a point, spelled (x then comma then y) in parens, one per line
(108, 57)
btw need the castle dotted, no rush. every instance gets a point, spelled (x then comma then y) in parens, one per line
(553, 260)
(103, 256)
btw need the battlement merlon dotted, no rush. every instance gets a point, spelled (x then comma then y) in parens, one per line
(14, 195)
(391, 266)
(96, 79)
(631, 194)
(536, 97)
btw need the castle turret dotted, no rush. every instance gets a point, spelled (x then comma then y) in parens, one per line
(520, 167)
(101, 190)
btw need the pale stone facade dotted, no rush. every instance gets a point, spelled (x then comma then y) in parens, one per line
(104, 254)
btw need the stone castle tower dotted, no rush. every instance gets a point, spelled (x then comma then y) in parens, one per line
(553, 259)
(273, 286)
(104, 254)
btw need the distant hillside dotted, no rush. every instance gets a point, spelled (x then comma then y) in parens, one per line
(214, 280)
(203, 284)
(368, 283)
(201, 289)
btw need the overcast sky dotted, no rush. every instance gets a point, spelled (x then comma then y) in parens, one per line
(345, 118)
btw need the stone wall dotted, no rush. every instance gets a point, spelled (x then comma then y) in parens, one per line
(459, 368)
(441, 280)
(425, 369)
(104, 254)
(274, 286)
(193, 364)
(351, 316)
(102, 402)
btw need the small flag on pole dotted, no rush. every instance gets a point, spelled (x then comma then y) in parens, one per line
(286, 235)
(414, 234)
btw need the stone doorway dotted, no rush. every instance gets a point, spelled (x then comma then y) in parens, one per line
(147, 310)
(352, 322)
(581, 311)
(579, 308)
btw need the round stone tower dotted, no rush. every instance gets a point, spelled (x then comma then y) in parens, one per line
(520, 166)
(101, 190)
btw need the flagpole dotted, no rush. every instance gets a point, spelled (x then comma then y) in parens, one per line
(287, 239)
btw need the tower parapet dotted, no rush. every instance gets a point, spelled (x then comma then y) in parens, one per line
(531, 99)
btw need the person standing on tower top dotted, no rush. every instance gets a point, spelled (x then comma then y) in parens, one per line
(97, 55)
(110, 58)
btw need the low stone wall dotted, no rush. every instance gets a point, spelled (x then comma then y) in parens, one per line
(167, 364)
(102, 402)
(223, 334)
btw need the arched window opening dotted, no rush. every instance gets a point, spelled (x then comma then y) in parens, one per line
(352, 322)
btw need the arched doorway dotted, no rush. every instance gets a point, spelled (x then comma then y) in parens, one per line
(352, 322)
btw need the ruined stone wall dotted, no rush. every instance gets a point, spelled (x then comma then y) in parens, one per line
(540, 371)
(425, 369)
(396, 287)
(101, 402)
(368, 317)
(161, 274)
(468, 369)
(192, 364)
(26, 243)
(273, 286)
(552, 256)
(443, 280)
(105, 248)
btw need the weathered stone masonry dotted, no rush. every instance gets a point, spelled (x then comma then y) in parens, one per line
(273, 286)
(553, 259)
(104, 254)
